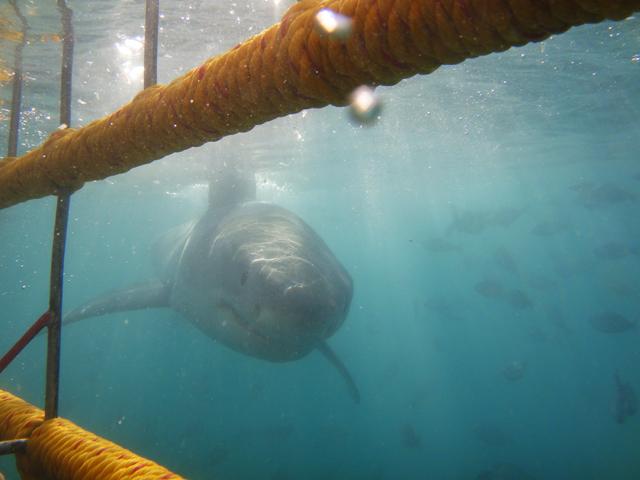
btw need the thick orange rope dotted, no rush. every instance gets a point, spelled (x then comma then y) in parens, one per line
(286, 68)
(59, 450)
(17, 417)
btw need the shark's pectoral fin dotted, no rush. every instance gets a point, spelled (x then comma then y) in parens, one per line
(136, 297)
(330, 355)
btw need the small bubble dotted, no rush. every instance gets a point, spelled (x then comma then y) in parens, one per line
(334, 24)
(365, 105)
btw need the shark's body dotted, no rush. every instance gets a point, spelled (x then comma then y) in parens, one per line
(251, 275)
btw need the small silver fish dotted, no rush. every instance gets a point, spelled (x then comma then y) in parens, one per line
(612, 322)
(489, 288)
(519, 299)
(614, 251)
(514, 370)
(548, 228)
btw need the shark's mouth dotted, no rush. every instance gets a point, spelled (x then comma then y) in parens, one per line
(243, 323)
(274, 345)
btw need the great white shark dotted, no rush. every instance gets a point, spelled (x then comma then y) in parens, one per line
(251, 275)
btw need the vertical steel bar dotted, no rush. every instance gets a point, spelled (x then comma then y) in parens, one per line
(67, 62)
(16, 96)
(151, 42)
(59, 230)
(55, 307)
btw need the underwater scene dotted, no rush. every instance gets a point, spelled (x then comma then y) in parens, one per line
(474, 253)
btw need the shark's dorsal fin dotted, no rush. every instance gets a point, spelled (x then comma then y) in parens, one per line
(137, 297)
(231, 185)
(330, 355)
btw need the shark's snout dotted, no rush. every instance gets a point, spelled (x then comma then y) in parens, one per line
(313, 306)
(301, 304)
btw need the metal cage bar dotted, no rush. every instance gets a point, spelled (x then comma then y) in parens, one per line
(152, 14)
(16, 95)
(59, 230)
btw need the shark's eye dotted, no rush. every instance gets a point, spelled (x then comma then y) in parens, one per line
(243, 278)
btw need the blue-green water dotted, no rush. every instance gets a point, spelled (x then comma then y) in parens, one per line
(486, 219)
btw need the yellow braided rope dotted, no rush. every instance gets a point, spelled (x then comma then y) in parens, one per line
(59, 450)
(17, 417)
(289, 67)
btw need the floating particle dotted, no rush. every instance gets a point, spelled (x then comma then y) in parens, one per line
(365, 105)
(333, 24)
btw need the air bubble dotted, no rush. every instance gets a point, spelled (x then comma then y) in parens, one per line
(333, 24)
(365, 105)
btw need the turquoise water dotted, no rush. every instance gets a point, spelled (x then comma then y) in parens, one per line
(486, 220)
